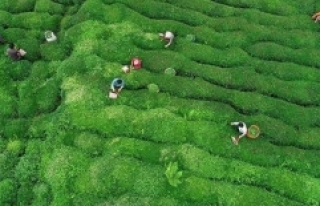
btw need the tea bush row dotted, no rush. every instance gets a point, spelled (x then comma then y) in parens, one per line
(216, 167)
(61, 169)
(108, 176)
(287, 71)
(203, 90)
(212, 9)
(48, 6)
(271, 51)
(27, 173)
(215, 138)
(272, 6)
(221, 193)
(18, 6)
(144, 125)
(38, 97)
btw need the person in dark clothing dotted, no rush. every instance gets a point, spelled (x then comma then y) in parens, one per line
(14, 53)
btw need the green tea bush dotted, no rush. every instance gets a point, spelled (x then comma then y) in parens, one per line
(16, 128)
(207, 36)
(68, 2)
(32, 20)
(89, 93)
(61, 170)
(207, 55)
(7, 192)
(5, 17)
(27, 106)
(108, 14)
(20, 70)
(150, 181)
(31, 46)
(271, 6)
(42, 195)
(271, 51)
(281, 22)
(15, 147)
(158, 10)
(41, 70)
(20, 6)
(286, 70)
(8, 103)
(14, 34)
(245, 173)
(140, 149)
(160, 126)
(71, 66)
(212, 9)
(113, 120)
(48, 95)
(49, 6)
(26, 173)
(53, 52)
(90, 143)
(108, 176)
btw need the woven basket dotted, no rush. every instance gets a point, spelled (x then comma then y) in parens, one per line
(253, 131)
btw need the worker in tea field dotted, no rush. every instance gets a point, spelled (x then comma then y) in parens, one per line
(167, 36)
(242, 127)
(15, 53)
(316, 17)
(116, 86)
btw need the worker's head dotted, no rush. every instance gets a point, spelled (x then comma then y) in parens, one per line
(240, 124)
(119, 81)
(11, 45)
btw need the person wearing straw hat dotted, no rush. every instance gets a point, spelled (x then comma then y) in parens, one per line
(116, 86)
(167, 36)
(242, 128)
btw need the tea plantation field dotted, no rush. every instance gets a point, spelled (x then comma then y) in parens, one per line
(63, 142)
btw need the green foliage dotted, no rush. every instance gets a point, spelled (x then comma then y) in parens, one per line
(173, 175)
(38, 97)
(20, 6)
(7, 192)
(19, 71)
(153, 88)
(16, 128)
(53, 51)
(90, 143)
(233, 60)
(64, 166)
(42, 195)
(15, 147)
(68, 2)
(49, 6)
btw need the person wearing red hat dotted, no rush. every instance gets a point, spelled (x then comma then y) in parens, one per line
(136, 63)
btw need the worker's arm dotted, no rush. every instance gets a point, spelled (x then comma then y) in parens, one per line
(169, 43)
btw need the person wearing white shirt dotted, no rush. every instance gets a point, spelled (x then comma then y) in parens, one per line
(167, 36)
(242, 127)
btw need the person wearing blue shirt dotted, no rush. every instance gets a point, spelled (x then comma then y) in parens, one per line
(116, 85)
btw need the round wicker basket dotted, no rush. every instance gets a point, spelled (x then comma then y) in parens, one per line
(253, 131)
